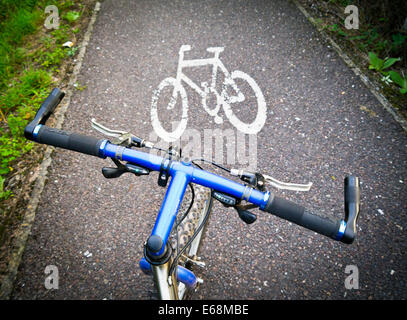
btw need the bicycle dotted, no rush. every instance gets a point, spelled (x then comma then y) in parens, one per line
(223, 99)
(172, 266)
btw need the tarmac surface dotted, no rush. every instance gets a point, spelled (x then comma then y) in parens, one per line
(322, 124)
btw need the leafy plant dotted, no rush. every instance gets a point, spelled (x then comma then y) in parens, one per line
(67, 4)
(71, 51)
(47, 41)
(79, 87)
(381, 45)
(72, 16)
(17, 20)
(54, 57)
(379, 64)
(359, 37)
(386, 79)
(61, 35)
(341, 2)
(335, 28)
(18, 104)
(24, 90)
(401, 81)
(398, 40)
(373, 36)
(3, 194)
(23, 23)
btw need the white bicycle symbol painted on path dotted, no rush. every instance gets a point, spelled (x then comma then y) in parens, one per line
(223, 99)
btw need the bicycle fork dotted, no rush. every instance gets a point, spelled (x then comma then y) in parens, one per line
(167, 286)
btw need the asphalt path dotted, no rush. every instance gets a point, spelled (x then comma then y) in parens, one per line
(322, 124)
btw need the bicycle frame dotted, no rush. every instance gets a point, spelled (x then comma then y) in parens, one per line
(182, 174)
(216, 63)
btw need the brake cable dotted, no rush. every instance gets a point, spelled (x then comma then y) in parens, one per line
(175, 261)
(190, 205)
(210, 162)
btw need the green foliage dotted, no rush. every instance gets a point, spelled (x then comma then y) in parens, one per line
(335, 28)
(23, 97)
(22, 24)
(22, 89)
(55, 53)
(359, 37)
(72, 51)
(66, 4)
(398, 41)
(53, 57)
(379, 64)
(381, 45)
(20, 55)
(370, 39)
(72, 16)
(3, 194)
(79, 87)
(19, 21)
(9, 7)
(401, 81)
(387, 15)
(61, 34)
(27, 64)
(341, 2)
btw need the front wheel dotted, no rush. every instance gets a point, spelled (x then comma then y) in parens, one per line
(169, 86)
(253, 100)
(200, 209)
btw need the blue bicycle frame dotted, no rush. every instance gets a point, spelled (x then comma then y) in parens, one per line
(182, 174)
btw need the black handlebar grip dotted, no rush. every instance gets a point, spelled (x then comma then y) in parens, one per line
(43, 113)
(293, 212)
(70, 141)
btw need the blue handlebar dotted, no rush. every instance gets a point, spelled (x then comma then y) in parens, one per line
(183, 173)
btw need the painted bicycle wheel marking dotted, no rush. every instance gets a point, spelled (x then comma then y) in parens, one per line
(223, 99)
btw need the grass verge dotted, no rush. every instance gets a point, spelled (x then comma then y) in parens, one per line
(33, 60)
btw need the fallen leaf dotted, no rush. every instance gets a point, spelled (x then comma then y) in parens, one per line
(370, 112)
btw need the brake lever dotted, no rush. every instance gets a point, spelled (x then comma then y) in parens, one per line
(118, 137)
(259, 180)
(121, 137)
(121, 168)
(287, 185)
